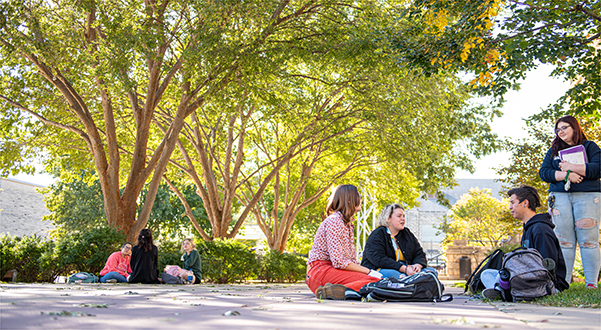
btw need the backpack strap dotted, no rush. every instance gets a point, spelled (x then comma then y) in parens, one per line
(519, 248)
(477, 268)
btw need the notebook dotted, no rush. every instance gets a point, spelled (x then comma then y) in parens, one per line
(574, 155)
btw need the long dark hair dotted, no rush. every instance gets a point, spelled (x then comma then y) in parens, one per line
(578, 137)
(145, 240)
(345, 199)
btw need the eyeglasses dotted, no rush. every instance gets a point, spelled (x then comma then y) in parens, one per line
(563, 129)
(127, 247)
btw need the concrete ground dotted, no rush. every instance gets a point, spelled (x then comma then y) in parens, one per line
(258, 306)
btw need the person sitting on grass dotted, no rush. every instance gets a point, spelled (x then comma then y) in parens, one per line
(191, 259)
(332, 270)
(392, 249)
(538, 234)
(144, 260)
(117, 267)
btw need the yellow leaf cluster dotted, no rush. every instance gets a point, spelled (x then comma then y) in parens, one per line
(493, 60)
(468, 45)
(488, 15)
(438, 19)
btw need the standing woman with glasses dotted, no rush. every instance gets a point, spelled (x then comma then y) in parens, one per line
(575, 198)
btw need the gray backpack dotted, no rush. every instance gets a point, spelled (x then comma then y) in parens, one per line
(529, 279)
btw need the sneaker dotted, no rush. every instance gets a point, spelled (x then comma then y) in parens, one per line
(591, 286)
(491, 294)
(112, 280)
(331, 291)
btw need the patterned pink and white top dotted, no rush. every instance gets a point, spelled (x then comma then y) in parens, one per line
(335, 242)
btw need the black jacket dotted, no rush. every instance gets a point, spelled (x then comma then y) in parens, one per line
(538, 234)
(144, 265)
(379, 251)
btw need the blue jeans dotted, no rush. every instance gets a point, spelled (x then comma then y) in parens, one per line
(113, 275)
(397, 274)
(576, 217)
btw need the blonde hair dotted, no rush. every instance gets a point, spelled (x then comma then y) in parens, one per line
(345, 200)
(191, 241)
(386, 213)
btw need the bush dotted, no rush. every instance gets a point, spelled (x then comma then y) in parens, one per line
(281, 267)
(223, 261)
(169, 254)
(226, 261)
(8, 258)
(25, 254)
(87, 251)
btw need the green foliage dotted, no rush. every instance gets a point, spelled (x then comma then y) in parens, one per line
(226, 261)
(170, 253)
(499, 41)
(87, 251)
(301, 237)
(26, 255)
(168, 216)
(527, 155)
(223, 261)
(576, 296)
(75, 203)
(281, 267)
(481, 219)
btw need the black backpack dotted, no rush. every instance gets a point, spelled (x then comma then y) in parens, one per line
(495, 261)
(422, 286)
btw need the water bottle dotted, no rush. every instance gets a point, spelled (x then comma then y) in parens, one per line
(190, 277)
(504, 284)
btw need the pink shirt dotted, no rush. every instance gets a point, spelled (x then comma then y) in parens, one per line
(335, 242)
(117, 263)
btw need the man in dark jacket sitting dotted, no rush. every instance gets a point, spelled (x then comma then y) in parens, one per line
(391, 248)
(538, 229)
(538, 233)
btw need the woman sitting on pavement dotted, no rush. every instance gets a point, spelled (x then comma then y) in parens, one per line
(117, 267)
(191, 259)
(144, 260)
(333, 272)
(392, 249)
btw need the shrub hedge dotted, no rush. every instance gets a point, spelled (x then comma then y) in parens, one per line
(223, 261)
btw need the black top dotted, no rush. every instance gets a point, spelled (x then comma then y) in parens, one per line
(379, 251)
(144, 265)
(539, 235)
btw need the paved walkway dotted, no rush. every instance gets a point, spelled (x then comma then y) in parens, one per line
(258, 306)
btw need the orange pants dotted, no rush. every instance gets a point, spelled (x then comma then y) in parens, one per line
(322, 272)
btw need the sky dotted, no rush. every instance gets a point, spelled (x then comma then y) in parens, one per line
(537, 92)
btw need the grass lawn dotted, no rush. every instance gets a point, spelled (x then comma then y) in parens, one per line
(576, 296)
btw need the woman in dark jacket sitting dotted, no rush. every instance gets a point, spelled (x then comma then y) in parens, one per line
(391, 248)
(144, 260)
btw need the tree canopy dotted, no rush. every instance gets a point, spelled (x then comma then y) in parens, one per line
(499, 41)
(481, 219)
(291, 96)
